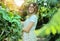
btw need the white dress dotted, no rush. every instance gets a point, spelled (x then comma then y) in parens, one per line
(31, 35)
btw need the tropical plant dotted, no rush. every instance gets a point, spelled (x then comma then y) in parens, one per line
(10, 25)
(46, 11)
(52, 27)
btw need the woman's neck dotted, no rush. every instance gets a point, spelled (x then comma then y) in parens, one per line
(31, 14)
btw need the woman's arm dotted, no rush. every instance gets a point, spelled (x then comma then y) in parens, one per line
(32, 20)
(28, 28)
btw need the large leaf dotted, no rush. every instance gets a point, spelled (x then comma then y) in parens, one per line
(53, 26)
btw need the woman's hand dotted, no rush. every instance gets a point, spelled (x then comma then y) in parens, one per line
(24, 30)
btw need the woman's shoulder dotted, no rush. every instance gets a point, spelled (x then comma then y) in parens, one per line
(34, 16)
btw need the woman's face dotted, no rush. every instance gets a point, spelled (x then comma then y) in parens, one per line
(31, 8)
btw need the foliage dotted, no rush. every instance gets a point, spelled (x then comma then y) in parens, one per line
(2, 4)
(52, 26)
(58, 39)
(10, 25)
(46, 11)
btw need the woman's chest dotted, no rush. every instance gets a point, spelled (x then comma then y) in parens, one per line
(27, 21)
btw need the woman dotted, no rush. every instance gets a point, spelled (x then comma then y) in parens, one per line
(30, 23)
